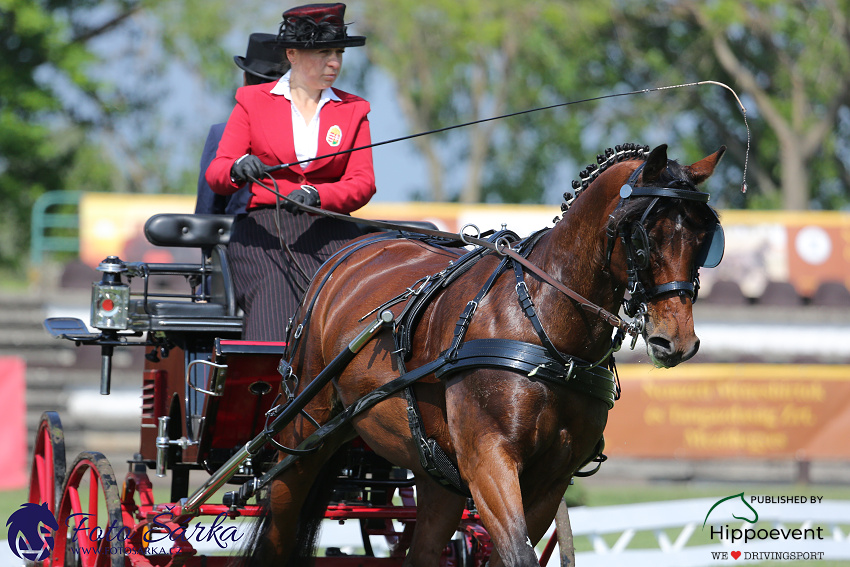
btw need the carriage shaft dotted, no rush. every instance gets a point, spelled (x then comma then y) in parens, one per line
(286, 416)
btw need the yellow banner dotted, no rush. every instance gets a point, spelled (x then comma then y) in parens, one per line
(732, 410)
(111, 224)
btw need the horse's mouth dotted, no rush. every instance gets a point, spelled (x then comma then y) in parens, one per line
(666, 353)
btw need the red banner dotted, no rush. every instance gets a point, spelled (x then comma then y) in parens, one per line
(13, 425)
(732, 410)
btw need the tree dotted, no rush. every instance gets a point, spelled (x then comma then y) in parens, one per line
(463, 60)
(44, 60)
(459, 61)
(791, 59)
(84, 81)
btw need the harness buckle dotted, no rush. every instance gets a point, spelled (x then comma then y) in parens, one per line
(638, 325)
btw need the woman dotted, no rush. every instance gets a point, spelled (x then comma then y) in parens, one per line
(297, 118)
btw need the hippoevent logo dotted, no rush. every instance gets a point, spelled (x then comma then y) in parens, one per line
(30, 535)
(742, 508)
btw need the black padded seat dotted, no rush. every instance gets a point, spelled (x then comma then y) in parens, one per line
(189, 230)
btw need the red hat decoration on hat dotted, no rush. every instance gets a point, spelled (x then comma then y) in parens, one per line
(316, 26)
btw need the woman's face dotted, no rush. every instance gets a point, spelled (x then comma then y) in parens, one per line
(315, 68)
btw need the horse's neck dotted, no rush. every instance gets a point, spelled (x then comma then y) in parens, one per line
(574, 253)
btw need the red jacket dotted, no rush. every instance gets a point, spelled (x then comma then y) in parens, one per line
(261, 124)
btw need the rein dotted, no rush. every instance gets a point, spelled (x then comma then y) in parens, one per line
(272, 168)
(501, 247)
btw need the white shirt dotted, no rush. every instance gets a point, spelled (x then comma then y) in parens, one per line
(305, 135)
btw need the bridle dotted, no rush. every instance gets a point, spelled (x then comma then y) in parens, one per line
(636, 243)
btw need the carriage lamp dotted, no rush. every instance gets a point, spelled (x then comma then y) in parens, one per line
(110, 297)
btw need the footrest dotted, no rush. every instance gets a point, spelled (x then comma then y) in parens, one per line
(69, 328)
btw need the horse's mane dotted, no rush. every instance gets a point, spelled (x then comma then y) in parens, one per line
(622, 152)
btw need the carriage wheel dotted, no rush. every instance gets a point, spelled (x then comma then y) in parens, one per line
(566, 547)
(137, 502)
(47, 474)
(91, 531)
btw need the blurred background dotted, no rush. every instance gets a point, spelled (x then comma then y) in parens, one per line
(105, 105)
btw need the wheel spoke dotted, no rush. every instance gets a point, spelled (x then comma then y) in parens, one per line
(91, 476)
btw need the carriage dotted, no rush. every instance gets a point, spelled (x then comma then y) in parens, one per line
(237, 412)
(205, 394)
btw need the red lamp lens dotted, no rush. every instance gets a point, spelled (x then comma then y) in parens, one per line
(107, 305)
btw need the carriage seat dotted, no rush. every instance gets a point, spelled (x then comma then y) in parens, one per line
(217, 310)
(189, 230)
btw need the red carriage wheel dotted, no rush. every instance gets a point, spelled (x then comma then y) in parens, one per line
(137, 502)
(47, 474)
(91, 531)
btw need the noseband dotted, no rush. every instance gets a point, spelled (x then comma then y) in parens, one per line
(636, 244)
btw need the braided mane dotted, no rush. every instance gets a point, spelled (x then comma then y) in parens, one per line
(623, 152)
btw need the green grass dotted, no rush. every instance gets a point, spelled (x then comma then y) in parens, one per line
(10, 500)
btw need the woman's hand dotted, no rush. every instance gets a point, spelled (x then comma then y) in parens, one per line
(247, 166)
(307, 195)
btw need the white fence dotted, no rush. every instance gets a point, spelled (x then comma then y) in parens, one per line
(685, 518)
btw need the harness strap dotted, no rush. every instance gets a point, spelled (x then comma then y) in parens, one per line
(671, 192)
(535, 362)
(527, 306)
(465, 318)
(687, 287)
(432, 458)
(340, 256)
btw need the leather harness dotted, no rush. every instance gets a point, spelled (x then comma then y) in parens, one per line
(538, 362)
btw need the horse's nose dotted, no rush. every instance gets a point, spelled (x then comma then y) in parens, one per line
(666, 352)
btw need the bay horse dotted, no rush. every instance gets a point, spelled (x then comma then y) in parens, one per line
(638, 223)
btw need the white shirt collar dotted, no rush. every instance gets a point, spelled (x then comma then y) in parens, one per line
(282, 88)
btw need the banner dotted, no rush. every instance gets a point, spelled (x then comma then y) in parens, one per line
(703, 411)
(803, 248)
(112, 224)
(13, 425)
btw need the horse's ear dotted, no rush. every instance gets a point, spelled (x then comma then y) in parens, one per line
(655, 164)
(702, 170)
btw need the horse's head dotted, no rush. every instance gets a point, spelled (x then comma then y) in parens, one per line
(661, 231)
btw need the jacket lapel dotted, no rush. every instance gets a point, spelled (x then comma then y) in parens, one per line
(278, 130)
(333, 126)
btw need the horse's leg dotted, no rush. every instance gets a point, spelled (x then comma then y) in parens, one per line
(493, 480)
(438, 514)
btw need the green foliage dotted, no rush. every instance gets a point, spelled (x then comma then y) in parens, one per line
(788, 60)
(68, 120)
(462, 60)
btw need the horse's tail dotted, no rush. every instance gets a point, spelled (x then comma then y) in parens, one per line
(254, 552)
(257, 551)
(313, 511)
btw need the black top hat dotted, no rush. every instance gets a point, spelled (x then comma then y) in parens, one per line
(263, 57)
(316, 26)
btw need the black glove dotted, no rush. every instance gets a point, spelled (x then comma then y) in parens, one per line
(307, 195)
(245, 166)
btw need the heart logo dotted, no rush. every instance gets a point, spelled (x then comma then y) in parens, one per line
(736, 554)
